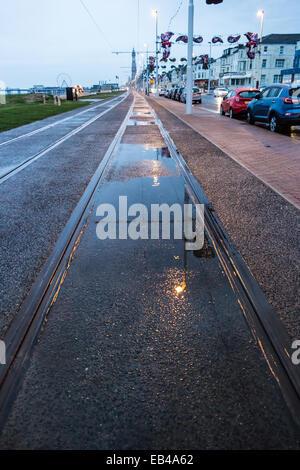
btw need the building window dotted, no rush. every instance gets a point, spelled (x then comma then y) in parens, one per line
(281, 50)
(279, 63)
(264, 63)
(250, 65)
(276, 79)
(242, 66)
(263, 80)
(265, 48)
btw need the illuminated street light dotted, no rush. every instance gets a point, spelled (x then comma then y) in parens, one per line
(155, 13)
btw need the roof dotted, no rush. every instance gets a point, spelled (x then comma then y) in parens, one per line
(281, 38)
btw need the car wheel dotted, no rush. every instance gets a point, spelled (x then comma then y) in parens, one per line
(274, 124)
(231, 115)
(249, 118)
(222, 112)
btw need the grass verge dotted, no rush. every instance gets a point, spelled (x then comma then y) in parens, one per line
(24, 109)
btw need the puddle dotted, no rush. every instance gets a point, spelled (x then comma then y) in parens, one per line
(134, 122)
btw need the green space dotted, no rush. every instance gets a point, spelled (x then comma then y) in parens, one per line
(24, 109)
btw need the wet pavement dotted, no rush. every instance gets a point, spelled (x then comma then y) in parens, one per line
(37, 202)
(146, 346)
(261, 223)
(15, 151)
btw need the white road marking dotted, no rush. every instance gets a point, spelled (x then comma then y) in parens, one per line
(33, 158)
(40, 129)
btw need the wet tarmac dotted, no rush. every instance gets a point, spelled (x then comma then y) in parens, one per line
(15, 151)
(261, 223)
(146, 346)
(37, 202)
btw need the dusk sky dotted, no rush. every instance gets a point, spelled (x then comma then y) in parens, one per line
(39, 39)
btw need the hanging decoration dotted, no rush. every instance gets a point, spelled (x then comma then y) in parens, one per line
(166, 44)
(151, 63)
(204, 61)
(251, 44)
(183, 59)
(165, 39)
(166, 53)
(233, 39)
(216, 39)
(172, 60)
(198, 39)
(182, 38)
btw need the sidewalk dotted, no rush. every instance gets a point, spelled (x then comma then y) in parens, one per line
(273, 158)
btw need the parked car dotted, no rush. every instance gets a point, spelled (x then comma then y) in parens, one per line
(196, 96)
(171, 93)
(174, 95)
(220, 92)
(161, 92)
(179, 93)
(236, 101)
(277, 105)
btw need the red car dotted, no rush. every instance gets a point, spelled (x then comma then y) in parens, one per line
(237, 100)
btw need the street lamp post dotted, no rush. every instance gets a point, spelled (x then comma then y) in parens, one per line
(147, 71)
(189, 84)
(260, 13)
(155, 13)
(209, 71)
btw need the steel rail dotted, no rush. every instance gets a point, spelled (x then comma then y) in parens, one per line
(53, 124)
(61, 140)
(267, 329)
(25, 327)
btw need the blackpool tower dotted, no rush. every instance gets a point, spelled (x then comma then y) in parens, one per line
(133, 65)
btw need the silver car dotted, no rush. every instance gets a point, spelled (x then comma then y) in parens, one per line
(220, 92)
(197, 98)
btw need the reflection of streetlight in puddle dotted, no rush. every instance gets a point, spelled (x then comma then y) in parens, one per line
(180, 289)
(155, 181)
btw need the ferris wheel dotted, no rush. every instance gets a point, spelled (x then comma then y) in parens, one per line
(64, 80)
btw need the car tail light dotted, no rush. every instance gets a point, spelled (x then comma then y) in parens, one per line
(291, 100)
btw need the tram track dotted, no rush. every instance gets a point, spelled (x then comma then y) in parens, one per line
(266, 327)
(28, 161)
(55, 123)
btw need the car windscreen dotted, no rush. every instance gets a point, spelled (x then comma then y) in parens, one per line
(196, 90)
(295, 92)
(248, 94)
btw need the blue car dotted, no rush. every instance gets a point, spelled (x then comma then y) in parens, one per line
(277, 105)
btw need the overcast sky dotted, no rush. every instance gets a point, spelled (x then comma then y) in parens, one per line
(40, 39)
